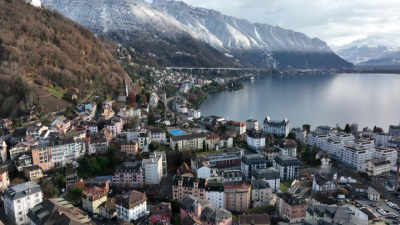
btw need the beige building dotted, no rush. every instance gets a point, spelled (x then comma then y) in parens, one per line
(130, 148)
(33, 173)
(108, 209)
(373, 195)
(254, 219)
(4, 178)
(260, 193)
(92, 199)
(376, 167)
(237, 195)
(188, 141)
(19, 148)
(183, 186)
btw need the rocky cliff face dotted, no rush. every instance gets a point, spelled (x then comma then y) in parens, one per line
(261, 45)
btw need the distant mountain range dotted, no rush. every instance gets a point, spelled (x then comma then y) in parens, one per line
(162, 22)
(374, 50)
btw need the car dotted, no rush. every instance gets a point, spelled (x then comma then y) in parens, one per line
(374, 205)
(389, 217)
(395, 222)
(95, 216)
(110, 192)
(101, 218)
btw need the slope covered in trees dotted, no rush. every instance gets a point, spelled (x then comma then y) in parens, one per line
(42, 47)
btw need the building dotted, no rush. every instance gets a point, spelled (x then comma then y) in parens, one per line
(225, 157)
(215, 193)
(61, 123)
(128, 174)
(198, 211)
(133, 135)
(355, 156)
(290, 208)
(100, 141)
(130, 148)
(4, 178)
(382, 140)
(144, 140)
(131, 206)
(153, 170)
(252, 162)
(25, 159)
(333, 215)
(33, 173)
(344, 137)
(19, 149)
(333, 146)
(184, 170)
(115, 125)
(163, 156)
(373, 195)
(301, 134)
(316, 139)
(71, 178)
(323, 184)
(277, 128)
(270, 174)
(385, 152)
(254, 219)
(260, 193)
(57, 211)
(188, 141)
(108, 209)
(100, 184)
(195, 113)
(376, 166)
(252, 124)
(324, 130)
(158, 134)
(92, 199)
(19, 199)
(237, 195)
(41, 156)
(287, 147)
(394, 130)
(212, 141)
(183, 186)
(232, 175)
(255, 139)
(62, 151)
(35, 131)
(200, 167)
(162, 213)
(240, 127)
(270, 153)
(287, 166)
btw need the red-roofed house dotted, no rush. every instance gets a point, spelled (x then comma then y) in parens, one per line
(184, 170)
(240, 127)
(162, 213)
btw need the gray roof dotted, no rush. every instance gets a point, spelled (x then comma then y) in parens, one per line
(188, 137)
(260, 184)
(22, 190)
(21, 132)
(268, 173)
(288, 160)
(209, 211)
(253, 159)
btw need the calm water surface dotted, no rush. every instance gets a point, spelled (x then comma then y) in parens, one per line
(365, 99)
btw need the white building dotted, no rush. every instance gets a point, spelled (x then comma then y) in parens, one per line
(333, 146)
(133, 135)
(200, 167)
(252, 162)
(36, 3)
(270, 174)
(275, 127)
(323, 184)
(62, 123)
(163, 156)
(115, 124)
(324, 130)
(287, 147)
(389, 153)
(382, 140)
(255, 139)
(355, 156)
(301, 134)
(19, 199)
(62, 151)
(252, 124)
(131, 206)
(240, 127)
(144, 140)
(287, 166)
(344, 137)
(316, 139)
(368, 144)
(195, 113)
(215, 194)
(3, 150)
(153, 170)
(35, 131)
(158, 134)
(154, 100)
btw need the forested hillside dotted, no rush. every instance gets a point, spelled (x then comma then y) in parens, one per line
(41, 47)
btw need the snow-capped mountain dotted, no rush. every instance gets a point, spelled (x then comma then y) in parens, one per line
(261, 45)
(369, 48)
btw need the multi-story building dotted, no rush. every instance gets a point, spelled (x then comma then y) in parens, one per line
(212, 140)
(131, 206)
(225, 157)
(100, 141)
(270, 153)
(92, 199)
(3, 150)
(260, 193)
(252, 124)
(195, 113)
(394, 141)
(18, 149)
(394, 130)
(367, 144)
(4, 178)
(158, 134)
(324, 130)
(344, 137)
(355, 156)
(115, 125)
(25, 159)
(33, 173)
(71, 178)
(290, 208)
(373, 195)
(183, 186)
(163, 156)
(252, 162)
(129, 174)
(332, 215)
(35, 131)
(62, 151)
(376, 166)
(333, 146)
(200, 167)
(130, 148)
(153, 170)
(301, 134)
(287, 166)
(316, 139)
(323, 184)
(102, 185)
(385, 152)
(42, 157)
(19, 199)
(237, 195)
(188, 141)
(382, 140)
(198, 211)
(144, 140)
(56, 211)
(108, 209)
(287, 147)
(62, 123)
(240, 127)
(133, 135)
(270, 174)
(162, 213)
(215, 193)
(255, 139)
(275, 127)
(232, 175)
(259, 219)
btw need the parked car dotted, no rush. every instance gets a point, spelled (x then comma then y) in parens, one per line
(95, 216)
(374, 205)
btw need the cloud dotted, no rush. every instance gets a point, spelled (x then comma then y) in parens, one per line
(335, 21)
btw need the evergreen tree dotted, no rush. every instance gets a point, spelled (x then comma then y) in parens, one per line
(374, 130)
(347, 129)
(204, 145)
(176, 147)
(291, 136)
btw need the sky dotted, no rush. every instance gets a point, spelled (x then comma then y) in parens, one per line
(337, 22)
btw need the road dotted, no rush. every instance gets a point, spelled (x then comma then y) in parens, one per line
(167, 101)
(381, 205)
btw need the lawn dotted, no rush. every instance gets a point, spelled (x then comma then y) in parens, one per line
(205, 153)
(261, 210)
(283, 187)
(56, 92)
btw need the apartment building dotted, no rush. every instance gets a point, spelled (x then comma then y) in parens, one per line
(287, 166)
(333, 146)
(101, 141)
(316, 139)
(163, 156)
(71, 178)
(23, 160)
(61, 123)
(240, 127)
(279, 128)
(368, 144)
(200, 167)
(252, 162)
(386, 152)
(100, 184)
(115, 125)
(144, 140)
(215, 193)
(382, 140)
(259, 219)
(42, 157)
(92, 199)
(252, 124)
(129, 174)
(130, 148)
(237, 195)
(18, 149)
(325, 130)
(133, 135)
(108, 209)
(301, 134)
(290, 208)
(323, 184)
(183, 186)
(232, 175)
(188, 141)
(373, 195)
(62, 151)
(394, 130)
(355, 156)
(225, 157)
(212, 141)
(260, 193)
(153, 170)
(33, 173)
(287, 147)
(270, 174)
(35, 131)
(333, 214)
(4, 178)
(344, 137)
(255, 139)
(162, 213)
(376, 166)
(19, 199)
(131, 206)
(158, 134)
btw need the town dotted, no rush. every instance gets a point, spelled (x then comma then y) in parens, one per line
(146, 155)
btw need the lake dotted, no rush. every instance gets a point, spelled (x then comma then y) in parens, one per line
(365, 99)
